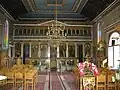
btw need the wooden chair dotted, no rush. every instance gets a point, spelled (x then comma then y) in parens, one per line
(2, 82)
(19, 80)
(77, 77)
(101, 82)
(118, 85)
(10, 78)
(110, 84)
(30, 80)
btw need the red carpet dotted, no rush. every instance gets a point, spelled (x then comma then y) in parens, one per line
(41, 82)
(56, 85)
(69, 78)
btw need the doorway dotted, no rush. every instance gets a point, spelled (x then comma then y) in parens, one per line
(26, 49)
(53, 58)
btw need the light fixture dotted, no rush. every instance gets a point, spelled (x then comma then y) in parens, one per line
(56, 30)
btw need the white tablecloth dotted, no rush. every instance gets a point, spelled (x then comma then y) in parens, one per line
(2, 77)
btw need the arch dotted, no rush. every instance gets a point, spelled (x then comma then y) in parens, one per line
(114, 39)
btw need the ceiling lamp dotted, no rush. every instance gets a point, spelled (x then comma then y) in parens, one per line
(56, 30)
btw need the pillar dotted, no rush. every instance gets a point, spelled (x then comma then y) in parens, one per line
(57, 51)
(58, 57)
(76, 50)
(13, 50)
(9, 51)
(22, 49)
(39, 52)
(49, 56)
(83, 50)
(66, 50)
(48, 50)
(30, 50)
(66, 54)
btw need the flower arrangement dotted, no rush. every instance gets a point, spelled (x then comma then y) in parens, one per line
(87, 68)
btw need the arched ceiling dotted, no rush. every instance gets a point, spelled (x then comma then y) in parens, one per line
(45, 9)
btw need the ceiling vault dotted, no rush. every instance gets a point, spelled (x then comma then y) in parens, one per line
(78, 5)
(44, 9)
(81, 5)
(29, 5)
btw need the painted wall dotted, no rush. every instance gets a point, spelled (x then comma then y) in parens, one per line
(108, 19)
(3, 17)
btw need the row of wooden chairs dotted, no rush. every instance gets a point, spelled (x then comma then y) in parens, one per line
(19, 79)
(103, 81)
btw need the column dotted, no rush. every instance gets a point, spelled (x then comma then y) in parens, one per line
(22, 49)
(91, 50)
(30, 49)
(13, 54)
(48, 50)
(66, 55)
(76, 50)
(10, 61)
(57, 50)
(83, 50)
(9, 51)
(58, 57)
(49, 56)
(39, 52)
(66, 50)
(13, 50)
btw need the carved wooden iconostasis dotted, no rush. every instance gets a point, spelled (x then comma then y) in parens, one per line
(62, 51)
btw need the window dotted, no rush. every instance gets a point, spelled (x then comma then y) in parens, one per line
(77, 32)
(28, 32)
(99, 33)
(69, 32)
(71, 50)
(85, 32)
(16, 32)
(81, 32)
(41, 32)
(24, 31)
(5, 35)
(32, 32)
(20, 32)
(45, 32)
(37, 32)
(73, 32)
(114, 50)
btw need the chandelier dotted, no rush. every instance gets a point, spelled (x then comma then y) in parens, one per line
(56, 30)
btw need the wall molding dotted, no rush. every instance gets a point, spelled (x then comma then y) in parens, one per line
(113, 25)
(106, 10)
(6, 13)
(29, 5)
(41, 25)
